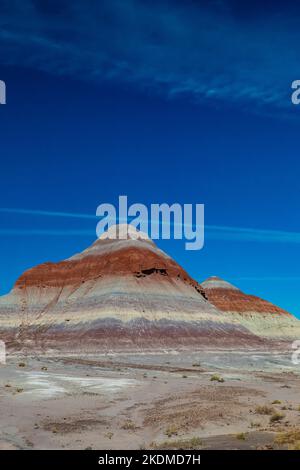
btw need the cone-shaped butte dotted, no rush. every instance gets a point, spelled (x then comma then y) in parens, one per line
(260, 316)
(122, 251)
(119, 293)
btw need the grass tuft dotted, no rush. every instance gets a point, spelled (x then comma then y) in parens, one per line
(264, 410)
(129, 426)
(182, 444)
(171, 430)
(276, 417)
(216, 378)
(291, 438)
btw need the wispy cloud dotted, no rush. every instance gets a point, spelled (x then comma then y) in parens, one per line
(206, 49)
(212, 232)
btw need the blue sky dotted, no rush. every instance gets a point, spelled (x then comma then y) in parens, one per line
(183, 102)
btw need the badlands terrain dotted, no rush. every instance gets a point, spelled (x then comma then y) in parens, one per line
(211, 399)
(118, 347)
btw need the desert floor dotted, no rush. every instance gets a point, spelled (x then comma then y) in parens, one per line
(162, 400)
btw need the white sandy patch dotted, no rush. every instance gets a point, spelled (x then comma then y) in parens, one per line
(48, 385)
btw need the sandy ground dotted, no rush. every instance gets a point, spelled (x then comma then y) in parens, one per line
(150, 401)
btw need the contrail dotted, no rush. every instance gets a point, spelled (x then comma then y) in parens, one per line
(73, 215)
(212, 232)
(29, 232)
(221, 232)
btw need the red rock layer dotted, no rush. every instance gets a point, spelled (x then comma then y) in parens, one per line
(234, 300)
(140, 262)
